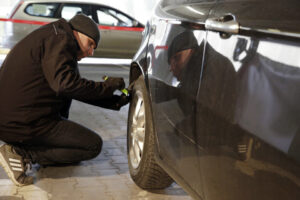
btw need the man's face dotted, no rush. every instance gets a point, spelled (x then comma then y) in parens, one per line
(86, 44)
(179, 61)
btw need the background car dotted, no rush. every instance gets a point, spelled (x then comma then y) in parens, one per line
(120, 34)
(215, 100)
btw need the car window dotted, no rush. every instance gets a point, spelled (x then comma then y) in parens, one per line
(106, 19)
(121, 17)
(69, 10)
(42, 9)
(110, 17)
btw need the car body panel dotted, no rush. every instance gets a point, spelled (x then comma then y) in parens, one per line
(117, 41)
(173, 115)
(245, 122)
(249, 88)
(233, 131)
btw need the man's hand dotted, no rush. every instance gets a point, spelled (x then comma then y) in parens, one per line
(123, 100)
(115, 102)
(116, 83)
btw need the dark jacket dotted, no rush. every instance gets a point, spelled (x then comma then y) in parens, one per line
(38, 74)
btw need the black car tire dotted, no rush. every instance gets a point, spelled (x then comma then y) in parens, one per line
(147, 174)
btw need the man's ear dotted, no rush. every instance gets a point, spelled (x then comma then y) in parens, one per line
(75, 33)
(77, 37)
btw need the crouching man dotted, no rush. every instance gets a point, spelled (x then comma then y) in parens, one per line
(38, 80)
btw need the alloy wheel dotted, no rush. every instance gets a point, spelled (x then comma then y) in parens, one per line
(137, 135)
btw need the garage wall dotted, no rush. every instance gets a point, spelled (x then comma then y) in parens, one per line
(5, 7)
(139, 9)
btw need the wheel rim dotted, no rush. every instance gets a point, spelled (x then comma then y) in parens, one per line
(137, 135)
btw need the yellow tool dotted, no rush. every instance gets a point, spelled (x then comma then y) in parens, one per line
(124, 91)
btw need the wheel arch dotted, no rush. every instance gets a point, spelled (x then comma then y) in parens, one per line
(135, 71)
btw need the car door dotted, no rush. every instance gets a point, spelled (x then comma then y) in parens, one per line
(175, 60)
(247, 106)
(121, 35)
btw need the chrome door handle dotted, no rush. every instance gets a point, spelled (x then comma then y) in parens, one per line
(226, 24)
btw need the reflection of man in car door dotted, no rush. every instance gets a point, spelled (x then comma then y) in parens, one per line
(218, 87)
(184, 63)
(38, 80)
(183, 57)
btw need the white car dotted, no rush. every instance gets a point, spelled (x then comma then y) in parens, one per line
(120, 34)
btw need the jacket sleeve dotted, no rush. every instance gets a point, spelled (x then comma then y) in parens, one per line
(60, 69)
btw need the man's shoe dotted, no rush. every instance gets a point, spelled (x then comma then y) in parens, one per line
(14, 166)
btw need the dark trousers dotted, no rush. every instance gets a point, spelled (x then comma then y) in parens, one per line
(68, 142)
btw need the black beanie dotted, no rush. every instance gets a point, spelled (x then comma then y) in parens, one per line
(87, 26)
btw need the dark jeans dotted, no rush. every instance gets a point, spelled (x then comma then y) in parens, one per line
(68, 142)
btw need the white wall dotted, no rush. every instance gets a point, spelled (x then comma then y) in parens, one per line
(139, 9)
(5, 7)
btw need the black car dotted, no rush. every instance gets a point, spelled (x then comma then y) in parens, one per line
(215, 102)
